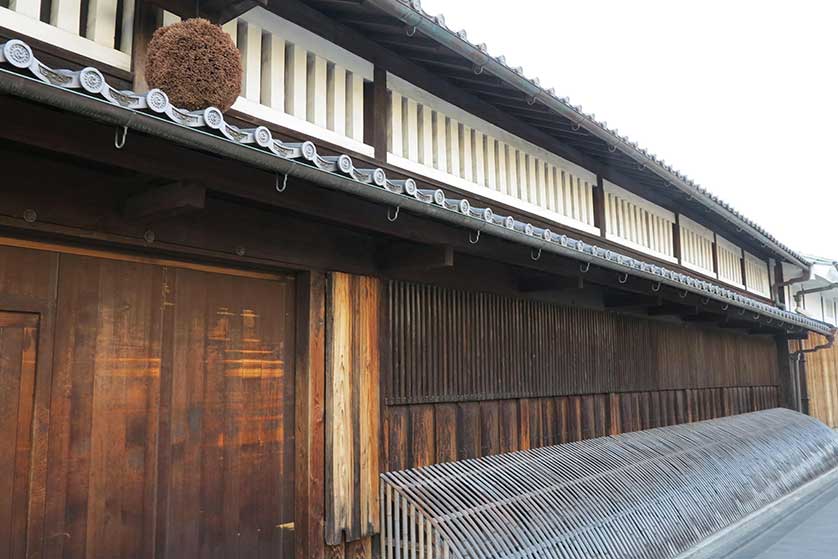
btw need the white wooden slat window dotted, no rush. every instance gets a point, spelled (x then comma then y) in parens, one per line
(637, 223)
(696, 246)
(296, 79)
(476, 156)
(106, 36)
(730, 262)
(757, 279)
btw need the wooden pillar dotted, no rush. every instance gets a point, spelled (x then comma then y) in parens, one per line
(777, 289)
(310, 385)
(715, 255)
(376, 113)
(676, 238)
(744, 275)
(147, 18)
(599, 206)
(786, 371)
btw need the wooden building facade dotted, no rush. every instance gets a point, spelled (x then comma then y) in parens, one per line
(216, 335)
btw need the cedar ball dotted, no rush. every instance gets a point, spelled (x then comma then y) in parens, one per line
(196, 64)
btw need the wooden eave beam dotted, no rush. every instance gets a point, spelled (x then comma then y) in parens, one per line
(400, 257)
(632, 300)
(166, 201)
(217, 11)
(549, 283)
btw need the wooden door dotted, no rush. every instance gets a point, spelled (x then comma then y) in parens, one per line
(172, 415)
(18, 349)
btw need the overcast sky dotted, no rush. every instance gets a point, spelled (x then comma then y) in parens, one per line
(740, 95)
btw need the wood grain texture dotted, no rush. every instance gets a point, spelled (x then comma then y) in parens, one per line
(450, 345)
(474, 429)
(353, 419)
(822, 381)
(162, 424)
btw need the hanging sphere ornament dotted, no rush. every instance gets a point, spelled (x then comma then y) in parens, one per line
(196, 64)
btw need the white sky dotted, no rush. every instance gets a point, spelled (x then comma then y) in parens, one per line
(740, 95)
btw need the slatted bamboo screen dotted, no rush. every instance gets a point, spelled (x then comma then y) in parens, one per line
(436, 139)
(756, 275)
(105, 35)
(696, 246)
(730, 261)
(451, 346)
(634, 222)
(297, 79)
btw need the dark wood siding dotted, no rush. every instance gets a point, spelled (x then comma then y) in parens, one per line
(421, 434)
(474, 374)
(18, 350)
(452, 346)
(171, 413)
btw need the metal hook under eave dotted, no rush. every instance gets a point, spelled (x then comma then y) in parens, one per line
(656, 286)
(474, 237)
(623, 278)
(478, 70)
(725, 307)
(284, 183)
(612, 149)
(705, 301)
(410, 30)
(118, 142)
(576, 126)
(683, 294)
(586, 267)
(535, 255)
(391, 215)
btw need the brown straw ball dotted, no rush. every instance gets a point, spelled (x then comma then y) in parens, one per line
(196, 64)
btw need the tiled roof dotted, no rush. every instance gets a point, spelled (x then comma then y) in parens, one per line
(19, 55)
(589, 121)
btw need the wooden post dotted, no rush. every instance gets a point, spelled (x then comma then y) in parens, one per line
(676, 238)
(743, 267)
(310, 426)
(599, 206)
(715, 255)
(146, 19)
(777, 288)
(376, 113)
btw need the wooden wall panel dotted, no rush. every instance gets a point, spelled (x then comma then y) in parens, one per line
(162, 425)
(18, 360)
(352, 408)
(822, 381)
(473, 429)
(450, 346)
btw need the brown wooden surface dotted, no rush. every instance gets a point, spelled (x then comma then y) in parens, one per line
(170, 405)
(18, 354)
(822, 381)
(352, 407)
(451, 345)
(422, 434)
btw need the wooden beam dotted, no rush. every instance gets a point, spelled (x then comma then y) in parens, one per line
(166, 201)
(147, 18)
(629, 300)
(217, 11)
(409, 256)
(676, 238)
(376, 108)
(549, 283)
(673, 309)
(599, 206)
(310, 433)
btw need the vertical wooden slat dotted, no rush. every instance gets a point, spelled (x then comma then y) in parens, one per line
(296, 80)
(101, 21)
(272, 80)
(28, 8)
(250, 43)
(65, 14)
(316, 95)
(396, 138)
